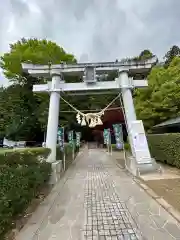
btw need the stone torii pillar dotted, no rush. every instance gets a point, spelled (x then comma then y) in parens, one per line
(141, 160)
(53, 116)
(127, 97)
(130, 113)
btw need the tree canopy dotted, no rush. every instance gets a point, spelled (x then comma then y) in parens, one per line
(161, 99)
(20, 108)
(169, 56)
(32, 51)
(24, 114)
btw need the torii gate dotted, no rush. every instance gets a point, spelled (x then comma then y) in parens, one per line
(89, 72)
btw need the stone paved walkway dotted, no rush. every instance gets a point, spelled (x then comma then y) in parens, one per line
(96, 200)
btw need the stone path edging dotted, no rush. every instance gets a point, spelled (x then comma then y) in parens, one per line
(169, 208)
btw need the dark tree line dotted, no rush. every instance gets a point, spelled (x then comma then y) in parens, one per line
(23, 115)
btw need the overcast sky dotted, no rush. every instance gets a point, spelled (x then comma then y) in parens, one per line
(93, 30)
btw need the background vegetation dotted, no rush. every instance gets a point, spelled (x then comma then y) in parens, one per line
(23, 115)
(165, 148)
(22, 174)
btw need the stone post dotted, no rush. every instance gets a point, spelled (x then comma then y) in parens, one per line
(130, 114)
(53, 117)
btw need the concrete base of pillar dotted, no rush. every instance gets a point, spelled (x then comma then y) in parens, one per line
(56, 172)
(138, 169)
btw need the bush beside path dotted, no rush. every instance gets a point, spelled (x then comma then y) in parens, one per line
(24, 183)
(23, 173)
(165, 148)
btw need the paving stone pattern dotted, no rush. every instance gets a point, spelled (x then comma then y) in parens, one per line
(107, 217)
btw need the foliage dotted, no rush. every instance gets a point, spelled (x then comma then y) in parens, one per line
(161, 100)
(24, 113)
(27, 156)
(21, 177)
(114, 148)
(165, 148)
(169, 56)
(126, 147)
(32, 51)
(144, 55)
(17, 108)
(68, 154)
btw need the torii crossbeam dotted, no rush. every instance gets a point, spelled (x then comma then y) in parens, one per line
(89, 72)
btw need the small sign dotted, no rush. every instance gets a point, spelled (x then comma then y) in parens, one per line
(70, 138)
(118, 135)
(107, 136)
(78, 139)
(61, 138)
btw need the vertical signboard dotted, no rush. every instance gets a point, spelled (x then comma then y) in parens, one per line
(118, 135)
(78, 139)
(61, 138)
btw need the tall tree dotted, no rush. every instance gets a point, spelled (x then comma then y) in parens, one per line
(169, 56)
(32, 51)
(161, 100)
(33, 107)
(145, 54)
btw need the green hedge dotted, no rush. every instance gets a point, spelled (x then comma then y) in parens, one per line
(27, 156)
(126, 147)
(68, 154)
(165, 148)
(22, 174)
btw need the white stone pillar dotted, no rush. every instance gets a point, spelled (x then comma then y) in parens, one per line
(139, 146)
(53, 117)
(130, 114)
(127, 98)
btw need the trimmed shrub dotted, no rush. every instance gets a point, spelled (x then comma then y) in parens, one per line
(22, 174)
(68, 154)
(114, 147)
(165, 148)
(126, 147)
(24, 156)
